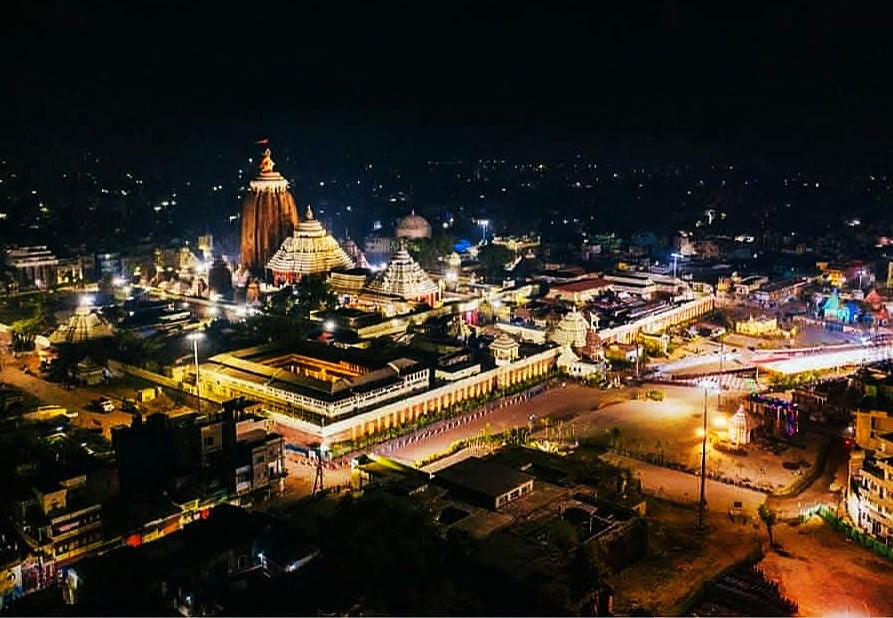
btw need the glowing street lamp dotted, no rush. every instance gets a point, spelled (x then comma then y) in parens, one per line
(194, 338)
(675, 257)
(708, 386)
(483, 223)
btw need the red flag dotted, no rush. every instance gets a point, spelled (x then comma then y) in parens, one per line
(263, 142)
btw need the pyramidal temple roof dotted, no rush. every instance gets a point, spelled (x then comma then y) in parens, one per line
(571, 330)
(403, 277)
(310, 249)
(84, 325)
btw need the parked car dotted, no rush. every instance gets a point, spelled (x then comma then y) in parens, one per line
(104, 404)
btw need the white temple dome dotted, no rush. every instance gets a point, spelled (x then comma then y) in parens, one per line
(413, 226)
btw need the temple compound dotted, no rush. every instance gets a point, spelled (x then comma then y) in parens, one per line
(338, 394)
(309, 250)
(268, 216)
(400, 286)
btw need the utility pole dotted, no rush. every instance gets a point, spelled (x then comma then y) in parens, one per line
(318, 480)
(703, 466)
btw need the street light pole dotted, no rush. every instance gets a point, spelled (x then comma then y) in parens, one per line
(703, 466)
(198, 385)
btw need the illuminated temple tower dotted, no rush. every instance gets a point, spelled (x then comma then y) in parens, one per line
(85, 325)
(268, 216)
(309, 250)
(405, 279)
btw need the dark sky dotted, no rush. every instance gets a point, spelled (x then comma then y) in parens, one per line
(743, 75)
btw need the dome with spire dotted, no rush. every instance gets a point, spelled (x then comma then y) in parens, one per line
(309, 250)
(269, 215)
(571, 330)
(413, 226)
(404, 278)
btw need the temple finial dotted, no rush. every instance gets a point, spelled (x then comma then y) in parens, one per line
(309, 214)
(266, 163)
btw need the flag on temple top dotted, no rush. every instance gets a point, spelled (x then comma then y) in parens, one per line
(263, 142)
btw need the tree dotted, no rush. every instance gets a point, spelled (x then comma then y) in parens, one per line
(314, 292)
(493, 259)
(768, 517)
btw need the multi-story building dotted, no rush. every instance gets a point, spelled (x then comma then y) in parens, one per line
(200, 460)
(35, 266)
(61, 519)
(870, 483)
(778, 291)
(335, 393)
(640, 284)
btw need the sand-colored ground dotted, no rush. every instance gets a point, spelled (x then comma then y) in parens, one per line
(681, 558)
(827, 574)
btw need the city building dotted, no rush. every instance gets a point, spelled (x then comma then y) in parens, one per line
(220, 279)
(33, 266)
(378, 248)
(779, 291)
(581, 291)
(778, 417)
(312, 380)
(349, 283)
(757, 327)
(269, 215)
(309, 250)
(743, 287)
(640, 284)
(658, 320)
(869, 497)
(61, 516)
(200, 460)
(485, 483)
(340, 394)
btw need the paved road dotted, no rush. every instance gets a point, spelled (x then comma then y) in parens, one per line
(511, 412)
(683, 487)
(47, 392)
(819, 492)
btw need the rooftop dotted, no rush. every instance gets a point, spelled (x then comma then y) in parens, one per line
(483, 476)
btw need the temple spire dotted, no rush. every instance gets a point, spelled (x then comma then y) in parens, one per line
(267, 163)
(309, 215)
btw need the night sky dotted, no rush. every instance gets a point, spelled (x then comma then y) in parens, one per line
(764, 78)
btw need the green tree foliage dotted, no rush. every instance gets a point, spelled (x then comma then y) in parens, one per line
(314, 293)
(493, 259)
(429, 252)
(768, 517)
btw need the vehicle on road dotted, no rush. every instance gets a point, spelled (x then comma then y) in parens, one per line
(47, 412)
(103, 404)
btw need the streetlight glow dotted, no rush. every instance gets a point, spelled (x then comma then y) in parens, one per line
(195, 337)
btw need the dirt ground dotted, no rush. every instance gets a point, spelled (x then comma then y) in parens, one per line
(828, 574)
(680, 558)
